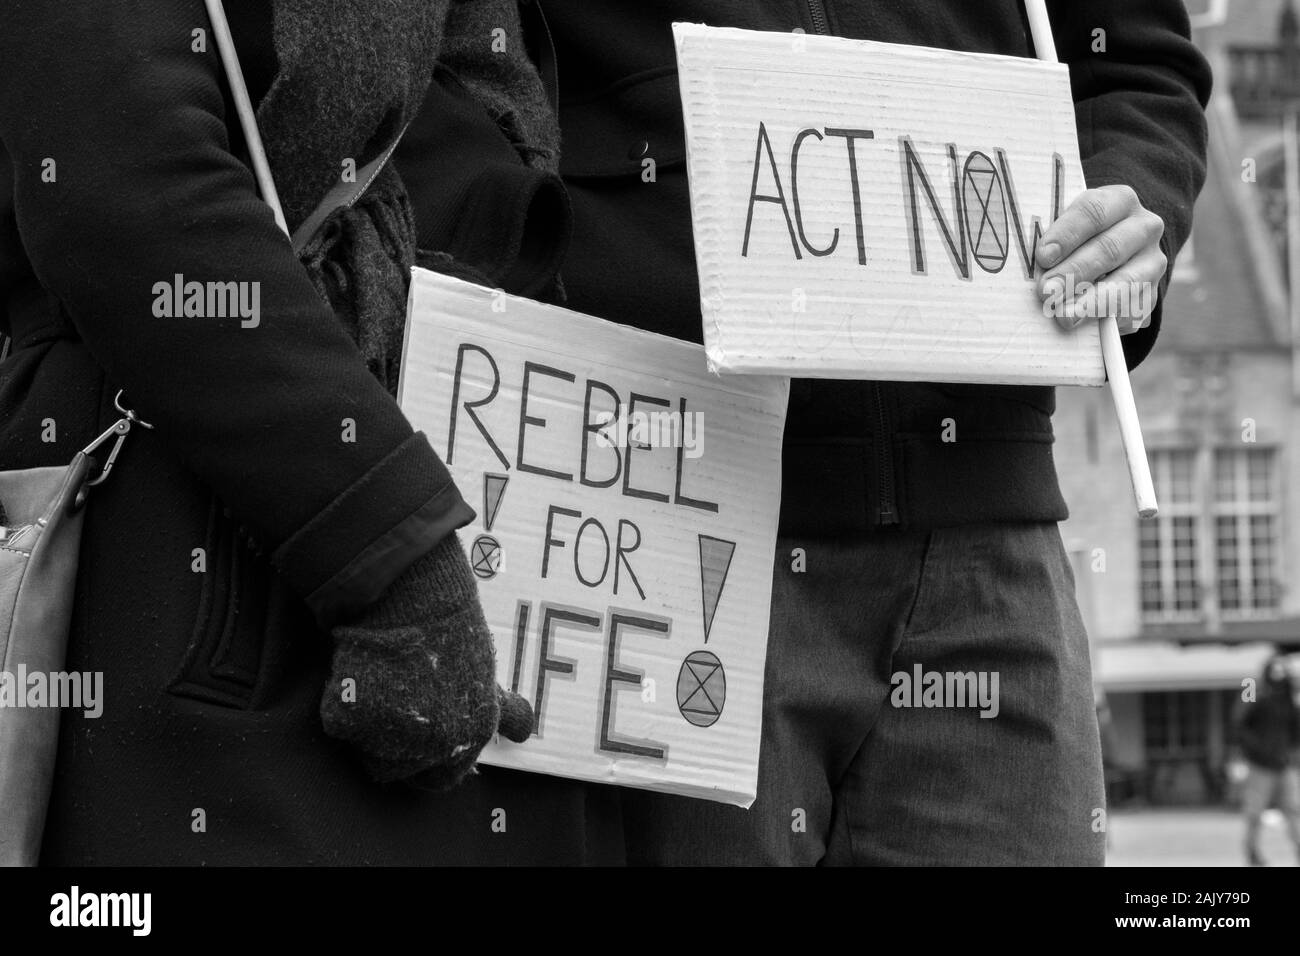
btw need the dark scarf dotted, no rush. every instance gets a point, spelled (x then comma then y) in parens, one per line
(352, 74)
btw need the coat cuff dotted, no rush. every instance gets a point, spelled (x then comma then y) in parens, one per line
(409, 492)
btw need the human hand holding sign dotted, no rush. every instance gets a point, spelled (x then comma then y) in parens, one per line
(1103, 257)
(413, 683)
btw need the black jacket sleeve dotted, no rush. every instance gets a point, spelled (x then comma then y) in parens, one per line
(1140, 90)
(474, 197)
(111, 104)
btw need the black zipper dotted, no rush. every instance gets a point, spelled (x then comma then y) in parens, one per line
(885, 462)
(887, 513)
(817, 13)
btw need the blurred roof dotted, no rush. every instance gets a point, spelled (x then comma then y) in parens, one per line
(1247, 21)
(1227, 292)
(1217, 299)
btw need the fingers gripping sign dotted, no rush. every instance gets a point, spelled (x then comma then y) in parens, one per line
(1102, 257)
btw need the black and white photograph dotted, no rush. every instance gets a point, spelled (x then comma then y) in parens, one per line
(757, 434)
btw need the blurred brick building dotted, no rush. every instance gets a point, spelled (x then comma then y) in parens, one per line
(1181, 608)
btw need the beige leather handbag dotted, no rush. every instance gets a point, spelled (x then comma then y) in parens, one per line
(40, 540)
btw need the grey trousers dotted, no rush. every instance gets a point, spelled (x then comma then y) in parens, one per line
(884, 651)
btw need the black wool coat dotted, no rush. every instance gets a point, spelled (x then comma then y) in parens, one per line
(210, 747)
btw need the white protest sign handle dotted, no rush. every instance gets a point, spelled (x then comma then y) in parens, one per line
(244, 108)
(1112, 350)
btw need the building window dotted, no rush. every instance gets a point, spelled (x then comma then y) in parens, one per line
(1229, 520)
(1246, 531)
(1176, 725)
(1168, 544)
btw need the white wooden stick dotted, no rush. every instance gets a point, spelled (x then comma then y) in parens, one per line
(244, 107)
(1112, 350)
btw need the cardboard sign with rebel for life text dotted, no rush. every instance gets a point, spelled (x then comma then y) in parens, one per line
(627, 506)
(870, 210)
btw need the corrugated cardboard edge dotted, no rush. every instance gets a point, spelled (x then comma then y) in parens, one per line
(710, 283)
(426, 281)
(739, 367)
(684, 31)
(406, 331)
(497, 755)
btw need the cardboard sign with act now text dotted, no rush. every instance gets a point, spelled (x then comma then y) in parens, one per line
(872, 210)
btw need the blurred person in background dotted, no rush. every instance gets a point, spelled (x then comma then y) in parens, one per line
(1268, 730)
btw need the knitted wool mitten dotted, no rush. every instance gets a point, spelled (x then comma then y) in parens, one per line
(425, 700)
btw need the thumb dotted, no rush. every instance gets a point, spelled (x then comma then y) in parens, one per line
(516, 716)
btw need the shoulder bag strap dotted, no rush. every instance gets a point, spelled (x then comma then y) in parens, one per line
(342, 194)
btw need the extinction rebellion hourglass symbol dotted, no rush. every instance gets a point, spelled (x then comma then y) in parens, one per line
(701, 682)
(485, 552)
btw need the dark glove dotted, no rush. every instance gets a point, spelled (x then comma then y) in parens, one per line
(426, 700)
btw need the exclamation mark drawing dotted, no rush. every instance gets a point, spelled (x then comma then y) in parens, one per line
(715, 562)
(701, 682)
(485, 554)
